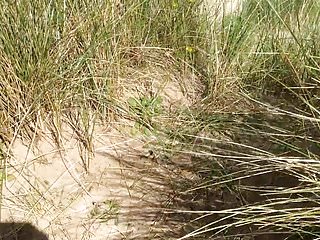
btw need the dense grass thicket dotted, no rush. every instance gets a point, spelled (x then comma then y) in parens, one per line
(253, 137)
(60, 57)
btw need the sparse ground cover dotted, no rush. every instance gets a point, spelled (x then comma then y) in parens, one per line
(164, 119)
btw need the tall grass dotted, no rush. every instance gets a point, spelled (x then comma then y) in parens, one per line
(254, 136)
(254, 140)
(67, 64)
(67, 56)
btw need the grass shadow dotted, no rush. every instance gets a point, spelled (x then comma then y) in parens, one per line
(152, 186)
(259, 183)
(20, 231)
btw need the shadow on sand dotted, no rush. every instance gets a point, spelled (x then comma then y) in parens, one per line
(244, 185)
(20, 231)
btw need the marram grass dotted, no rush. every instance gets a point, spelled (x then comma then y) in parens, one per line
(253, 139)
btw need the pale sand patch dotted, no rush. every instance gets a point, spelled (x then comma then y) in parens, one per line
(51, 189)
(219, 8)
(159, 75)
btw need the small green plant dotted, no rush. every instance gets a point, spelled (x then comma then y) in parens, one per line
(144, 110)
(105, 210)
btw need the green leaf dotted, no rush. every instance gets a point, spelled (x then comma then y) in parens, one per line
(158, 100)
(133, 102)
(145, 102)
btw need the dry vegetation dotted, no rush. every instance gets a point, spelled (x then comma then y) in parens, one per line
(169, 122)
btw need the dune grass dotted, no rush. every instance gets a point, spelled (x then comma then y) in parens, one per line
(68, 56)
(257, 150)
(254, 136)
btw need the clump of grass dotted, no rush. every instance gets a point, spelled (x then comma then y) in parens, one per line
(258, 163)
(67, 57)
